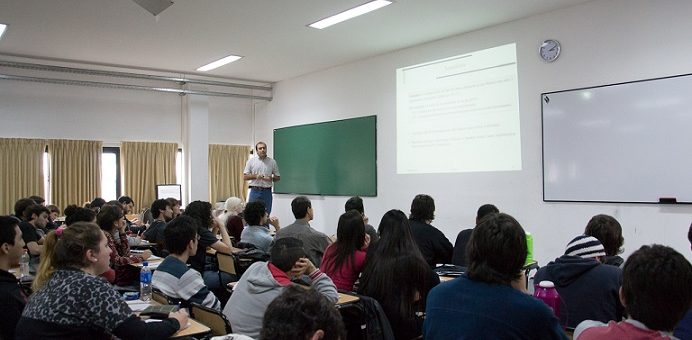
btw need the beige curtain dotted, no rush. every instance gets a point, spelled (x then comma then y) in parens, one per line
(21, 170)
(75, 171)
(144, 165)
(226, 164)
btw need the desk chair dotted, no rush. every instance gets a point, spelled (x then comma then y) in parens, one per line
(365, 319)
(226, 263)
(160, 297)
(527, 271)
(211, 318)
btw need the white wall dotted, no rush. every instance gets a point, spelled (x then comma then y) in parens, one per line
(603, 42)
(36, 110)
(33, 110)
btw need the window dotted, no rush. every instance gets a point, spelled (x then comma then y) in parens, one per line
(111, 183)
(110, 173)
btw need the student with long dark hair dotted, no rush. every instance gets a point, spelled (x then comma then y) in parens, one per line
(397, 276)
(112, 220)
(75, 303)
(344, 259)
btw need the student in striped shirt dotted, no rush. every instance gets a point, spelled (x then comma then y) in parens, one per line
(173, 277)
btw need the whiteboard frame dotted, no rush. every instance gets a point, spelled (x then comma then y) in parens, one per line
(662, 200)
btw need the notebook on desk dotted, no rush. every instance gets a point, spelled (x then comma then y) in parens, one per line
(450, 270)
(159, 312)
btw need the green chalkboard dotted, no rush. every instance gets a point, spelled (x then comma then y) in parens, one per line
(337, 158)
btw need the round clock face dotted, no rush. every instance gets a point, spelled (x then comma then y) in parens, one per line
(549, 50)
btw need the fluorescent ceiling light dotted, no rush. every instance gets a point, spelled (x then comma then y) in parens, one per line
(3, 27)
(218, 63)
(351, 13)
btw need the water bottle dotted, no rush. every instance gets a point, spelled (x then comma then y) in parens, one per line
(546, 292)
(145, 282)
(24, 265)
(529, 248)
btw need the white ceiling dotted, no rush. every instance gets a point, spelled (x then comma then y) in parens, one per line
(271, 34)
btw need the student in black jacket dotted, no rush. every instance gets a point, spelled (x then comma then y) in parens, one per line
(459, 253)
(12, 298)
(432, 243)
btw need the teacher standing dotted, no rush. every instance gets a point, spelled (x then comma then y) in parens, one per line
(261, 171)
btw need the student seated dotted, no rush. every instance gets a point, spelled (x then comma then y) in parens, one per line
(397, 276)
(256, 232)
(201, 212)
(486, 302)
(684, 328)
(112, 220)
(262, 282)
(588, 288)
(344, 259)
(232, 217)
(432, 243)
(607, 230)
(356, 203)
(172, 277)
(54, 212)
(459, 252)
(75, 303)
(318, 319)
(12, 296)
(161, 212)
(35, 219)
(655, 292)
(314, 242)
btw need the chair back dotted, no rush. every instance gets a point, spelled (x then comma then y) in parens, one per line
(159, 297)
(226, 263)
(211, 318)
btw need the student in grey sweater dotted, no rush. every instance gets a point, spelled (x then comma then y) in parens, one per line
(264, 281)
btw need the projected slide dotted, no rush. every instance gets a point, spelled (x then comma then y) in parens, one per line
(459, 114)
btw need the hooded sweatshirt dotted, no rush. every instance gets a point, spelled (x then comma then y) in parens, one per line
(257, 288)
(588, 289)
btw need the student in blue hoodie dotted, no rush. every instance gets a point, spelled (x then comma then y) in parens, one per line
(587, 287)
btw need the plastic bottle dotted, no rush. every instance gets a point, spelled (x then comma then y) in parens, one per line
(529, 248)
(145, 282)
(24, 264)
(546, 292)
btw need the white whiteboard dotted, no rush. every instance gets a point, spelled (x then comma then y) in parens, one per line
(629, 142)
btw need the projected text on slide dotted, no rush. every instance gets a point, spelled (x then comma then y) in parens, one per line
(459, 114)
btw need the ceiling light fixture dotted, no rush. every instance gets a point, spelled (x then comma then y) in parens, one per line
(350, 14)
(155, 7)
(218, 63)
(3, 27)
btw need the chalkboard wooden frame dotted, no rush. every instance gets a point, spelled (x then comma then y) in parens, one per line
(335, 158)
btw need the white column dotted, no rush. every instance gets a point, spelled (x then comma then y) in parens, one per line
(196, 147)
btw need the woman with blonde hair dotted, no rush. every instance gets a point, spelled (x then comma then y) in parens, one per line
(232, 217)
(75, 303)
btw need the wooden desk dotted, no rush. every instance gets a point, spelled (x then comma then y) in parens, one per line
(444, 278)
(194, 327)
(153, 264)
(346, 299)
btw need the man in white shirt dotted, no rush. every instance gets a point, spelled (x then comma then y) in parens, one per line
(261, 171)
